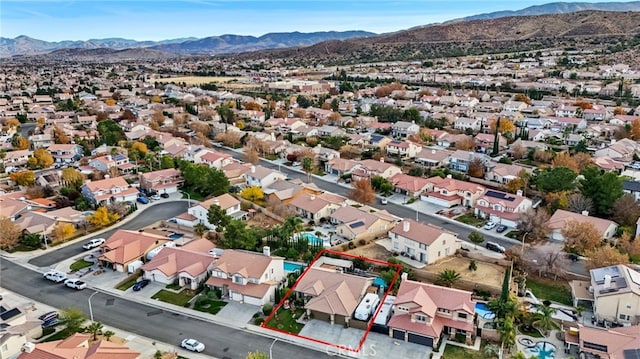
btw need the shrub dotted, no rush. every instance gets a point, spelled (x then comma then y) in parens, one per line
(267, 308)
(258, 321)
(351, 245)
(256, 315)
(362, 242)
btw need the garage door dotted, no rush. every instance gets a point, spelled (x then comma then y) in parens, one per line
(398, 334)
(236, 296)
(420, 339)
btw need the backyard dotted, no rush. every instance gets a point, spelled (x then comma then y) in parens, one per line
(456, 352)
(555, 291)
(371, 250)
(486, 273)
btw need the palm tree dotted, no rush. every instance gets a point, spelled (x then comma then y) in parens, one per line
(94, 329)
(108, 334)
(199, 229)
(502, 308)
(307, 167)
(293, 225)
(507, 332)
(447, 278)
(544, 318)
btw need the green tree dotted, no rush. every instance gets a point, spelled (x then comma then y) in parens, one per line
(107, 334)
(204, 180)
(447, 278)
(94, 329)
(110, 132)
(218, 217)
(293, 225)
(72, 318)
(555, 179)
(476, 237)
(507, 332)
(199, 229)
(167, 162)
(308, 166)
(238, 236)
(602, 189)
(543, 318)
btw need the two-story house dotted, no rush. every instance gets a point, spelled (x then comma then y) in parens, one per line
(262, 176)
(312, 207)
(404, 129)
(449, 192)
(247, 277)
(364, 222)
(407, 185)
(460, 160)
(503, 173)
(16, 158)
(403, 149)
(162, 181)
(41, 141)
(423, 313)
(484, 142)
(212, 159)
(464, 123)
(198, 213)
(18, 329)
(105, 163)
(372, 168)
(425, 243)
(65, 153)
(114, 189)
(501, 207)
(616, 294)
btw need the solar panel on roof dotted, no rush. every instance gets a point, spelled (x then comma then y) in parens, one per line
(631, 354)
(500, 195)
(357, 224)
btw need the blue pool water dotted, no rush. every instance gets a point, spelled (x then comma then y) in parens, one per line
(541, 350)
(380, 282)
(484, 312)
(292, 267)
(312, 238)
(175, 235)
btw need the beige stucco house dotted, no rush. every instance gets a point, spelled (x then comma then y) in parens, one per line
(423, 242)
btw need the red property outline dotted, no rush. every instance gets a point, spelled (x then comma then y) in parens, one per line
(366, 333)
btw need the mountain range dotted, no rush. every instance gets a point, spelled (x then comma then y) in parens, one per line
(24, 45)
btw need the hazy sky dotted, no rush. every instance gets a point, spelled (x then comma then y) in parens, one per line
(55, 20)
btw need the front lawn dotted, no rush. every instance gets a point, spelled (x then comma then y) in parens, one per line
(127, 283)
(456, 352)
(62, 334)
(166, 296)
(209, 305)
(471, 220)
(285, 322)
(546, 289)
(80, 264)
(195, 196)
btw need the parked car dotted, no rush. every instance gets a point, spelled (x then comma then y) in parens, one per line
(140, 284)
(75, 283)
(143, 200)
(50, 323)
(495, 247)
(501, 228)
(49, 315)
(572, 256)
(384, 200)
(155, 197)
(490, 225)
(192, 345)
(93, 243)
(164, 195)
(55, 276)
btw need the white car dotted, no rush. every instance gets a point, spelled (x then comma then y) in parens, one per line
(96, 242)
(75, 283)
(192, 345)
(490, 225)
(155, 197)
(55, 276)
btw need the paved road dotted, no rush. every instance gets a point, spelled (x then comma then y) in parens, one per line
(152, 214)
(399, 210)
(145, 320)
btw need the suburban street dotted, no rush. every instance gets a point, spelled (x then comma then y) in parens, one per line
(162, 325)
(153, 214)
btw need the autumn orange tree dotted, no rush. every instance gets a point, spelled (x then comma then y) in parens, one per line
(24, 178)
(63, 231)
(563, 159)
(476, 168)
(581, 237)
(466, 144)
(362, 192)
(102, 217)
(9, 233)
(252, 106)
(44, 158)
(250, 155)
(20, 143)
(635, 129)
(604, 256)
(506, 126)
(629, 246)
(59, 136)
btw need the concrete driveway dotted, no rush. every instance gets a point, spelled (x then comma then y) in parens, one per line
(238, 312)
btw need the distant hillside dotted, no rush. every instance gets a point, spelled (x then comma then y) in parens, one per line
(521, 33)
(557, 8)
(24, 45)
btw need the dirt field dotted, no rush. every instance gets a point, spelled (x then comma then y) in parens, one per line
(261, 220)
(487, 273)
(371, 250)
(197, 80)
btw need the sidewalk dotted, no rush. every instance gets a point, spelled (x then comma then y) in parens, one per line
(145, 346)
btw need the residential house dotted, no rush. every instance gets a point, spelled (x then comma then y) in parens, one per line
(379, 141)
(65, 153)
(188, 265)
(403, 149)
(575, 123)
(423, 313)
(449, 192)
(162, 181)
(41, 141)
(340, 166)
(616, 294)
(262, 176)
(330, 131)
(212, 158)
(425, 243)
(560, 218)
(18, 329)
(432, 157)
(199, 212)
(247, 277)
(16, 158)
(331, 295)
(284, 191)
(372, 168)
(566, 111)
(12, 208)
(484, 142)
(464, 123)
(460, 160)
(313, 207)
(620, 342)
(501, 207)
(324, 154)
(410, 186)
(633, 188)
(105, 163)
(623, 150)
(114, 189)
(235, 172)
(404, 129)
(126, 251)
(362, 223)
(503, 173)
(592, 114)
(77, 346)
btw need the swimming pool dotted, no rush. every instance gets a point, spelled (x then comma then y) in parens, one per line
(380, 282)
(484, 312)
(292, 267)
(541, 350)
(312, 238)
(175, 235)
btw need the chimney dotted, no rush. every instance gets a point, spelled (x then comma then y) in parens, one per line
(470, 156)
(311, 198)
(266, 250)
(449, 177)
(406, 225)
(216, 202)
(433, 151)
(585, 213)
(404, 276)
(382, 159)
(28, 347)
(107, 176)
(109, 158)
(253, 169)
(607, 282)
(519, 193)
